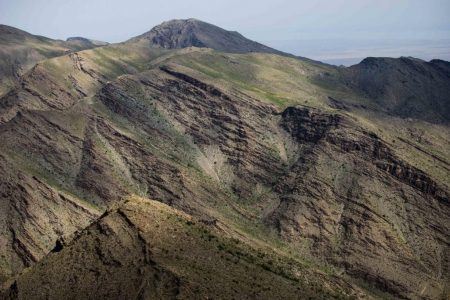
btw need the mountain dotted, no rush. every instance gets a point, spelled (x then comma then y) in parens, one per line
(135, 170)
(177, 34)
(20, 50)
(405, 87)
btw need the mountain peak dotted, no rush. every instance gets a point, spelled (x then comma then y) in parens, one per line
(182, 33)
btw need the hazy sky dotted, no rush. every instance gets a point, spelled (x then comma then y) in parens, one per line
(286, 24)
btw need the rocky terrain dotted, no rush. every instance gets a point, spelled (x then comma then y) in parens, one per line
(204, 165)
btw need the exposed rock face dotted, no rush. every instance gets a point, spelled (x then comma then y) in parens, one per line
(194, 33)
(307, 126)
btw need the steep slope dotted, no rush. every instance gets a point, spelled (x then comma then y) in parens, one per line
(405, 87)
(144, 249)
(195, 33)
(20, 50)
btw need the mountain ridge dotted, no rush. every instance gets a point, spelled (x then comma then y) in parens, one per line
(21, 50)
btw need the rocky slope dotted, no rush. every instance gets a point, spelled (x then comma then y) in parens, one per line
(259, 148)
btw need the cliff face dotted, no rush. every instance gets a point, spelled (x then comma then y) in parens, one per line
(284, 179)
